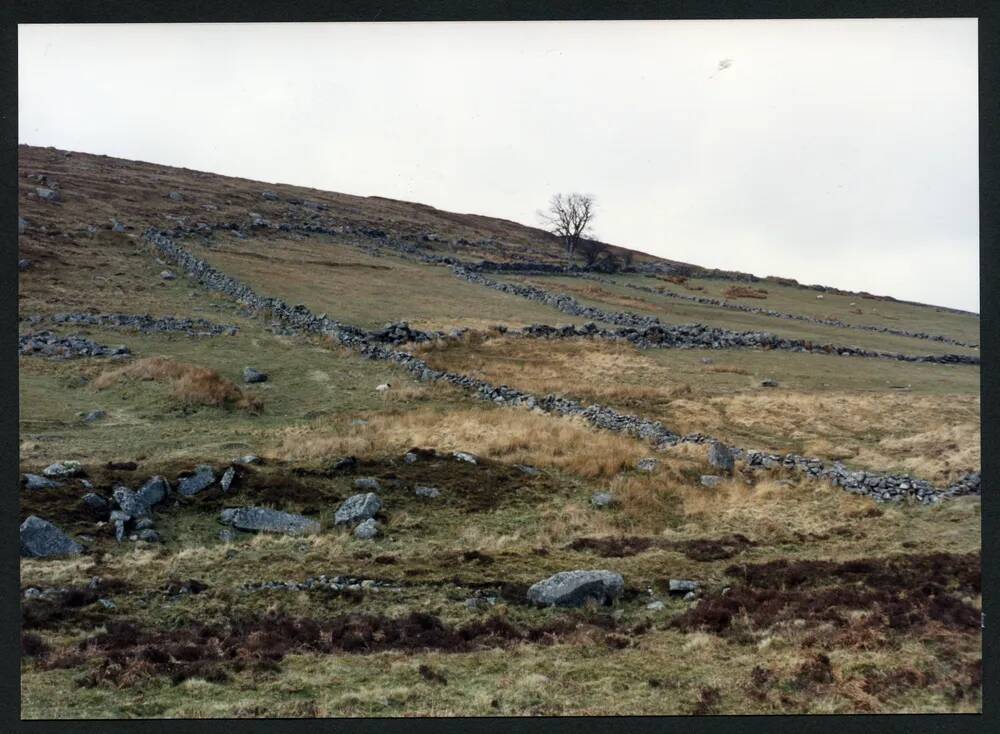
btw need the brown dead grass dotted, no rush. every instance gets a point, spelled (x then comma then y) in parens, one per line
(189, 383)
(593, 291)
(504, 434)
(739, 291)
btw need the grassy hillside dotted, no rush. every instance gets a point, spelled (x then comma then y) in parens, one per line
(811, 599)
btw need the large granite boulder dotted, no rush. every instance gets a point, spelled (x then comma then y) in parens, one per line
(573, 588)
(202, 479)
(42, 539)
(262, 519)
(154, 491)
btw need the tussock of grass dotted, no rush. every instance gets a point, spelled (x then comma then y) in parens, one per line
(504, 434)
(189, 383)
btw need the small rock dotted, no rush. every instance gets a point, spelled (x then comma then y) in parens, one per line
(648, 464)
(227, 478)
(249, 459)
(721, 457)
(23, 264)
(168, 275)
(226, 535)
(107, 603)
(251, 375)
(357, 508)
(47, 194)
(602, 499)
(528, 470)
(682, 586)
(22, 225)
(368, 484)
(63, 469)
(117, 226)
(690, 596)
(656, 606)
(148, 536)
(710, 480)
(768, 383)
(32, 593)
(42, 539)
(467, 457)
(96, 503)
(144, 524)
(366, 530)
(410, 458)
(573, 588)
(94, 415)
(430, 492)
(176, 196)
(707, 360)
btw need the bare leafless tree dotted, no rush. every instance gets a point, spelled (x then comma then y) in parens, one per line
(569, 217)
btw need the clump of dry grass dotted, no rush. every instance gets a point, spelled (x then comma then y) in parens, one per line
(739, 291)
(189, 383)
(504, 434)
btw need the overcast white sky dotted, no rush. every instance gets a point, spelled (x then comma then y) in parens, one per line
(835, 152)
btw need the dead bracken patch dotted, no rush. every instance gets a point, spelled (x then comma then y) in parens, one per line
(190, 383)
(898, 593)
(127, 653)
(697, 549)
(740, 291)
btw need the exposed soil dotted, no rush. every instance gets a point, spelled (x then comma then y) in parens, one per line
(698, 549)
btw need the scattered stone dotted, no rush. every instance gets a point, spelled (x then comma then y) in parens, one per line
(227, 478)
(48, 344)
(269, 195)
(23, 264)
(96, 503)
(33, 481)
(681, 586)
(710, 480)
(467, 457)
(656, 606)
(32, 593)
(226, 535)
(648, 464)
(690, 596)
(347, 464)
(249, 459)
(528, 470)
(250, 375)
(168, 275)
(261, 519)
(369, 484)
(22, 225)
(427, 492)
(410, 458)
(107, 603)
(154, 491)
(47, 194)
(768, 382)
(602, 499)
(366, 530)
(120, 520)
(203, 478)
(117, 226)
(176, 196)
(42, 539)
(573, 588)
(144, 524)
(721, 457)
(149, 536)
(131, 503)
(63, 469)
(357, 508)
(94, 415)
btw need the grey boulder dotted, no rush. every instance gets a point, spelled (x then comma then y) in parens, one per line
(430, 492)
(42, 539)
(366, 530)
(33, 481)
(47, 194)
(574, 588)
(203, 478)
(710, 480)
(262, 519)
(721, 457)
(63, 469)
(648, 464)
(602, 499)
(154, 491)
(131, 503)
(682, 586)
(357, 508)
(227, 478)
(369, 484)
